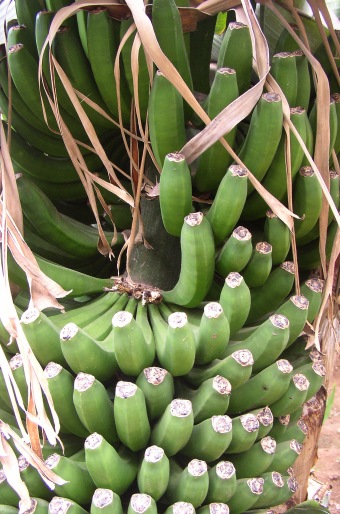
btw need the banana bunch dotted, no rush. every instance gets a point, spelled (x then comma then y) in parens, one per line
(187, 398)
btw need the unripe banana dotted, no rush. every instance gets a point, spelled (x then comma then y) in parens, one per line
(278, 236)
(141, 503)
(248, 490)
(256, 459)
(109, 468)
(276, 489)
(279, 426)
(296, 310)
(286, 454)
(213, 334)
(293, 398)
(312, 289)
(175, 192)
(235, 253)
(307, 201)
(283, 69)
(209, 438)
(237, 368)
(157, 385)
(266, 420)
(78, 486)
(235, 300)
(228, 203)
(259, 266)
(190, 484)
(295, 430)
(59, 505)
(173, 429)
(222, 482)
(263, 388)
(105, 501)
(154, 472)
(131, 418)
(8, 495)
(94, 406)
(180, 508)
(244, 433)
(37, 506)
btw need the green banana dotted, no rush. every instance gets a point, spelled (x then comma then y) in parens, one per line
(312, 289)
(175, 192)
(178, 355)
(222, 482)
(213, 162)
(105, 500)
(102, 36)
(214, 508)
(83, 353)
(110, 468)
(235, 299)
(278, 235)
(236, 52)
(64, 506)
(269, 297)
(266, 342)
(307, 201)
(78, 485)
(236, 368)
(60, 384)
(26, 12)
(255, 460)
(283, 69)
(333, 122)
(173, 429)
(277, 488)
(37, 506)
(286, 454)
(266, 420)
(263, 136)
(189, 484)
(140, 502)
(275, 180)
(197, 262)
(293, 398)
(235, 253)
(259, 265)
(180, 508)
(303, 92)
(296, 310)
(279, 427)
(201, 41)
(157, 385)
(130, 414)
(213, 334)
(21, 34)
(309, 254)
(210, 438)
(166, 125)
(94, 407)
(248, 491)
(295, 430)
(129, 345)
(154, 472)
(244, 433)
(315, 373)
(262, 389)
(228, 203)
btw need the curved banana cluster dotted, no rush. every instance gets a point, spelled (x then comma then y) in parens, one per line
(188, 399)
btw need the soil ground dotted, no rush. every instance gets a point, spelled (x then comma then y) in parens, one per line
(327, 467)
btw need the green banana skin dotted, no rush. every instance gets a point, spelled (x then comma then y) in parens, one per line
(38, 329)
(213, 334)
(130, 414)
(157, 385)
(177, 419)
(266, 343)
(278, 236)
(244, 433)
(284, 71)
(265, 125)
(189, 484)
(286, 454)
(266, 420)
(309, 254)
(315, 374)
(214, 507)
(235, 299)
(236, 52)
(235, 253)
(296, 310)
(310, 506)
(109, 468)
(37, 506)
(94, 407)
(279, 427)
(175, 192)
(26, 13)
(79, 486)
(312, 289)
(255, 460)
(83, 353)
(236, 368)
(64, 506)
(105, 500)
(333, 122)
(129, 345)
(307, 201)
(35, 485)
(20, 34)
(8, 509)
(180, 508)
(154, 472)
(259, 266)
(247, 492)
(197, 262)
(222, 482)
(166, 126)
(101, 327)
(211, 398)
(60, 383)
(213, 162)
(269, 297)
(210, 438)
(275, 180)
(293, 398)
(202, 39)
(228, 203)
(262, 389)
(277, 488)
(8, 495)
(141, 501)
(295, 430)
